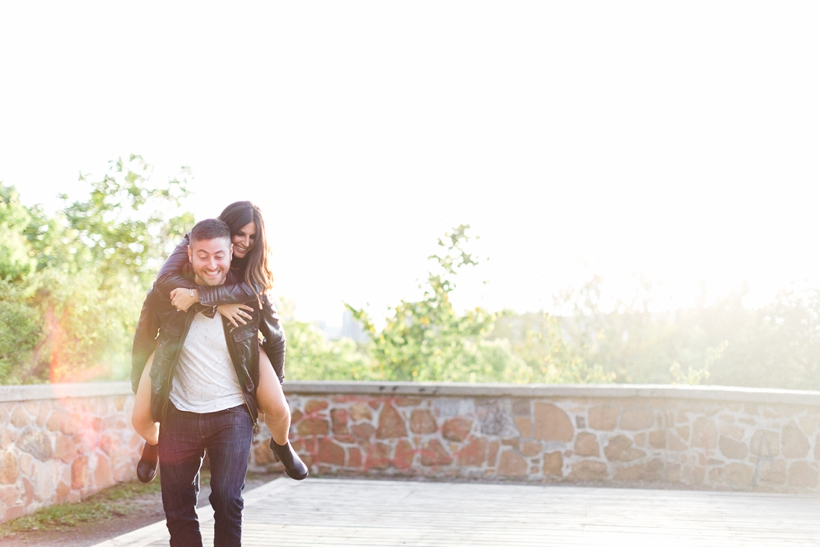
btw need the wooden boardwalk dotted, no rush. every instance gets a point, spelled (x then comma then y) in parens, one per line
(380, 513)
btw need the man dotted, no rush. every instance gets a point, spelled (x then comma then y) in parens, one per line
(203, 381)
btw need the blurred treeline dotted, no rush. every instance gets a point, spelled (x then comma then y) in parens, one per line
(72, 283)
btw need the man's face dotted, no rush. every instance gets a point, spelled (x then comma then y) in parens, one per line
(211, 260)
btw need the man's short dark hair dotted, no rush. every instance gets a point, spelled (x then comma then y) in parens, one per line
(210, 228)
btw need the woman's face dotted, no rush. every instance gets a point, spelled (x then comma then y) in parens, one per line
(243, 240)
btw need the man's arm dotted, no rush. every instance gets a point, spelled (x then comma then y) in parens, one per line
(144, 338)
(273, 343)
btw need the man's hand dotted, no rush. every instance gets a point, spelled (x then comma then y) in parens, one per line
(237, 314)
(183, 298)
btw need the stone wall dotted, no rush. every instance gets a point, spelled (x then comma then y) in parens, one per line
(64, 442)
(720, 438)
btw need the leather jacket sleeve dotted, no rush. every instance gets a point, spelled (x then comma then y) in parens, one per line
(171, 277)
(144, 338)
(273, 343)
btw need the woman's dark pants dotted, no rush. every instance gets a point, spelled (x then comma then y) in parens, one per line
(183, 440)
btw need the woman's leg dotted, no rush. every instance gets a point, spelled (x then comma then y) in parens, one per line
(272, 401)
(144, 425)
(273, 404)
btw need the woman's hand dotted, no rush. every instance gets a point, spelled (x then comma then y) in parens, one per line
(183, 298)
(237, 314)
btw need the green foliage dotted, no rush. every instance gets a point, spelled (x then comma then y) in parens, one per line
(72, 283)
(123, 222)
(428, 340)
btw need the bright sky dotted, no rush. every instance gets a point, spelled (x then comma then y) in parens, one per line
(676, 138)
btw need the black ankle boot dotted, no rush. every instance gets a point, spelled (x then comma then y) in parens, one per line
(294, 466)
(147, 466)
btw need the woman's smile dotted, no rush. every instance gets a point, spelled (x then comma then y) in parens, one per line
(243, 240)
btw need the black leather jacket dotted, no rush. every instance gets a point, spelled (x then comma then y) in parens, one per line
(162, 330)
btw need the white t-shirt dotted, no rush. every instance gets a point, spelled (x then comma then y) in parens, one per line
(205, 379)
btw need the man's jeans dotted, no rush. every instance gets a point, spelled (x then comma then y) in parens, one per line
(183, 439)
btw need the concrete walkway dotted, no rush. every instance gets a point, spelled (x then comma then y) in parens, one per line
(381, 513)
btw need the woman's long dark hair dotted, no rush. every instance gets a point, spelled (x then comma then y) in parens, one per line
(258, 274)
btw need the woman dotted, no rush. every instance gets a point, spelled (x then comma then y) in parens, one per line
(249, 264)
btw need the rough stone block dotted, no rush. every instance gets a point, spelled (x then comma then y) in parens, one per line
(640, 439)
(620, 449)
(530, 449)
(363, 431)
(65, 448)
(803, 474)
(603, 418)
(404, 455)
(339, 418)
(733, 449)
(552, 423)
(717, 476)
(683, 432)
(433, 453)
(103, 475)
(8, 495)
(473, 454)
(588, 470)
(13, 513)
(765, 444)
(330, 453)
(739, 475)
(19, 417)
(521, 407)
(354, 457)
(649, 471)
(9, 469)
(407, 401)
(657, 438)
(391, 424)
(512, 464)
(79, 473)
(553, 464)
(43, 412)
(422, 422)
(378, 456)
(315, 405)
(704, 434)
(793, 442)
(809, 425)
(492, 453)
(524, 425)
(457, 429)
(36, 443)
(6, 438)
(732, 431)
(495, 418)
(772, 472)
(634, 419)
(360, 411)
(262, 454)
(309, 427)
(586, 444)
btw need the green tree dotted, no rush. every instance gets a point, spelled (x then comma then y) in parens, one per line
(72, 282)
(428, 340)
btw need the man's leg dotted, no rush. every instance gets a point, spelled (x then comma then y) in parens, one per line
(228, 441)
(181, 450)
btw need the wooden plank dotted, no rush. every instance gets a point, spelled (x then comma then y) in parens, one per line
(378, 513)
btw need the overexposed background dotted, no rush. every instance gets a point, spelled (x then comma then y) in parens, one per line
(677, 139)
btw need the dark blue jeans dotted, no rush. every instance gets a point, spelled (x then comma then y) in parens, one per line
(183, 439)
